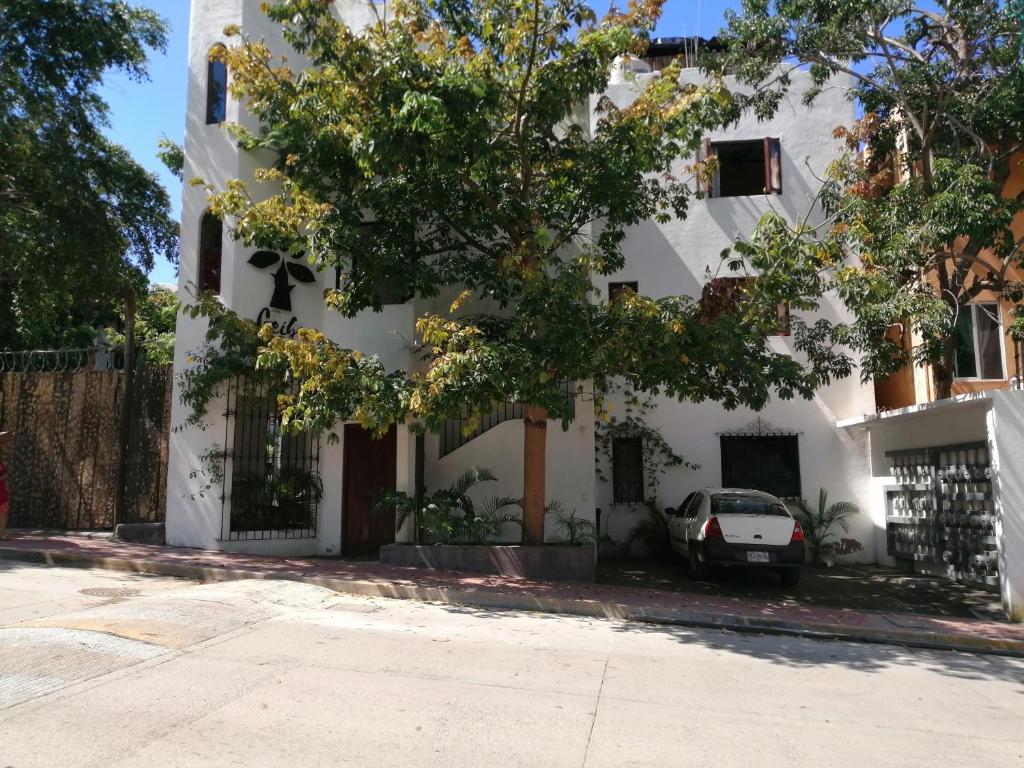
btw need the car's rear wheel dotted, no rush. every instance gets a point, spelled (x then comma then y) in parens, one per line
(790, 576)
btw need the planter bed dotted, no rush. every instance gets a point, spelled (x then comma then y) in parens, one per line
(549, 562)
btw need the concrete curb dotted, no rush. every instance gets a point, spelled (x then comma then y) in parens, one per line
(488, 599)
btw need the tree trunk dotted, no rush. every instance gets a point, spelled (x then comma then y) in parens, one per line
(535, 420)
(942, 373)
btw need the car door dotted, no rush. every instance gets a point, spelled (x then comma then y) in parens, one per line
(693, 518)
(677, 526)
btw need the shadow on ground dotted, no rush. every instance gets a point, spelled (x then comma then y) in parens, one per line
(796, 653)
(852, 588)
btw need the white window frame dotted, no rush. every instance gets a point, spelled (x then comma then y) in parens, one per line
(974, 308)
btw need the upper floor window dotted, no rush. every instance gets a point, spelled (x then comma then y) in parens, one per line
(617, 289)
(216, 86)
(745, 168)
(211, 237)
(979, 343)
(722, 295)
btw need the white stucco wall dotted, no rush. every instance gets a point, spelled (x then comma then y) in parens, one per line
(1006, 428)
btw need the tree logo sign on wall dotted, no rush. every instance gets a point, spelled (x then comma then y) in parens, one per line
(282, 296)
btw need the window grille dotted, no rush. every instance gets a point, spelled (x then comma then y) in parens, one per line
(628, 470)
(455, 435)
(767, 462)
(275, 480)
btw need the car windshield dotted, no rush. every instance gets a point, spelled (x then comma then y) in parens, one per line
(735, 504)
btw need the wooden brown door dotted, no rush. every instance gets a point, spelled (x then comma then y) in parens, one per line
(370, 467)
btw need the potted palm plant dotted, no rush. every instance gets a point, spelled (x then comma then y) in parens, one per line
(820, 525)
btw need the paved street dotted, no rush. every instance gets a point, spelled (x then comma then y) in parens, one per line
(144, 671)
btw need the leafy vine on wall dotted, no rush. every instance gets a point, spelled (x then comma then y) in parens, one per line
(658, 455)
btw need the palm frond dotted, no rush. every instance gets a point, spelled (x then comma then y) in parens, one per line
(470, 479)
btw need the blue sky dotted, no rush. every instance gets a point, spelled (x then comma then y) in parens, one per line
(142, 112)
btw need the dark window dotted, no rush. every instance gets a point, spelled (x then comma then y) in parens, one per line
(681, 509)
(693, 509)
(628, 470)
(745, 168)
(742, 504)
(721, 296)
(216, 87)
(211, 237)
(762, 463)
(615, 289)
(979, 342)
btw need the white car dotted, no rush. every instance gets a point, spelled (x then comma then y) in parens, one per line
(734, 526)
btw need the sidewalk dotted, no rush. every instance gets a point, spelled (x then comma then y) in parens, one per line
(595, 600)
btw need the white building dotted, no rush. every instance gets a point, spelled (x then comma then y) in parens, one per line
(794, 447)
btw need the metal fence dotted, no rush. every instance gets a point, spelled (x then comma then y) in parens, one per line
(275, 486)
(456, 432)
(63, 465)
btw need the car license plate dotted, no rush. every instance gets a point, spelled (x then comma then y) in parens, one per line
(757, 557)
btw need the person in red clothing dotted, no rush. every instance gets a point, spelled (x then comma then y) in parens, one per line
(5, 439)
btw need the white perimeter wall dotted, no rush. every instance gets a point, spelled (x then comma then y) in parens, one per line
(1006, 427)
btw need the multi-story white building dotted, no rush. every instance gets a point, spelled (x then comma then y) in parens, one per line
(792, 448)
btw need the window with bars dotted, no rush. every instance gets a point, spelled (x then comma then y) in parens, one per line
(628, 470)
(275, 481)
(769, 463)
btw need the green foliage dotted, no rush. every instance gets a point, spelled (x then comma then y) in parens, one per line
(819, 526)
(573, 530)
(658, 455)
(155, 319)
(651, 531)
(209, 474)
(918, 209)
(470, 148)
(80, 221)
(450, 515)
(283, 498)
(172, 155)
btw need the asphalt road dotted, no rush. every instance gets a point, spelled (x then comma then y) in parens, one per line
(159, 672)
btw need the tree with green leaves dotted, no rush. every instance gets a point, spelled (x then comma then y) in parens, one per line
(923, 196)
(447, 151)
(81, 223)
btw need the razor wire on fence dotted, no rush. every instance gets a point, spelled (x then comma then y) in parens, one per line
(107, 358)
(70, 460)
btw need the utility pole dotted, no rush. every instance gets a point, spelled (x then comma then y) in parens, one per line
(124, 417)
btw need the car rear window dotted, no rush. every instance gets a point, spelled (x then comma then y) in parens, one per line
(746, 505)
